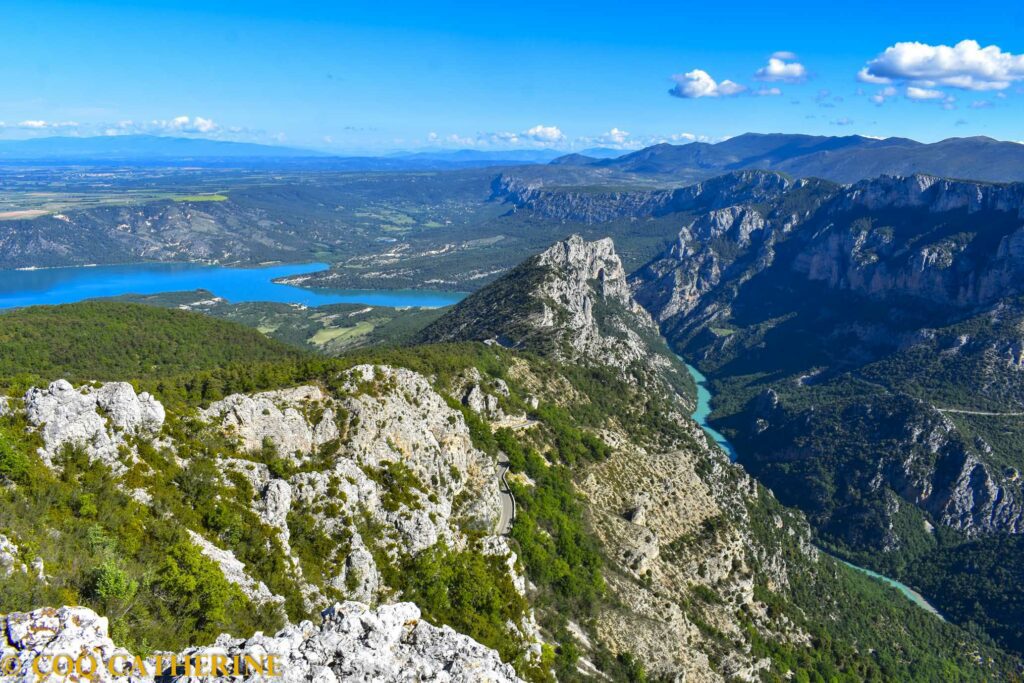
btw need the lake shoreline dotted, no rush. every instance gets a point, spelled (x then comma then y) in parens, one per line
(23, 288)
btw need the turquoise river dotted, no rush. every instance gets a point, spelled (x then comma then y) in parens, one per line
(700, 415)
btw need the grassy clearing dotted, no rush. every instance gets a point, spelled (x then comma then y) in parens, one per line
(329, 334)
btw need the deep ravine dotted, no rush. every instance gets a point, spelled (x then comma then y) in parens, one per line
(700, 416)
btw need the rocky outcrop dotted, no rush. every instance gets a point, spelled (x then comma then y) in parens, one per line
(403, 459)
(586, 302)
(234, 571)
(572, 302)
(673, 284)
(9, 554)
(296, 421)
(100, 420)
(353, 643)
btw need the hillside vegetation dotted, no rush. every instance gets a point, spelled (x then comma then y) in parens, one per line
(108, 341)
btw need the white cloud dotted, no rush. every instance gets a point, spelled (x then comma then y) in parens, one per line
(185, 124)
(779, 69)
(544, 134)
(884, 94)
(982, 104)
(464, 141)
(767, 92)
(785, 55)
(865, 76)
(675, 138)
(37, 124)
(699, 83)
(966, 65)
(930, 95)
(538, 136)
(179, 125)
(614, 137)
(914, 93)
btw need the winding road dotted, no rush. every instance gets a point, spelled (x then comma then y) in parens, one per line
(508, 502)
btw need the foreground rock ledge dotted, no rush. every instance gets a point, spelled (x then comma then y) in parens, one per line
(354, 643)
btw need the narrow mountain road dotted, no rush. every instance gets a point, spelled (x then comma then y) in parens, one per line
(508, 502)
(979, 412)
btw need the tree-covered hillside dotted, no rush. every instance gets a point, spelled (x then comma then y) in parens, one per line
(107, 341)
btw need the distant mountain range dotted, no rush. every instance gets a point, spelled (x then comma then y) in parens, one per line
(138, 148)
(178, 151)
(841, 159)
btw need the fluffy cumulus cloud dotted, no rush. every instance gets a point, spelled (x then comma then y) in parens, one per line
(179, 125)
(782, 67)
(537, 136)
(966, 65)
(186, 124)
(699, 83)
(544, 134)
(615, 136)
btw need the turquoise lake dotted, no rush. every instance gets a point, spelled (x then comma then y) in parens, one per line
(68, 285)
(700, 415)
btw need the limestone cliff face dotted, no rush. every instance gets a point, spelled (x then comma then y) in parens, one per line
(352, 643)
(926, 461)
(952, 243)
(948, 242)
(586, 302)
(674, 283)
(564, 204)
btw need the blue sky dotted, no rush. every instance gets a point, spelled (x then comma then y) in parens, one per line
(379, 76)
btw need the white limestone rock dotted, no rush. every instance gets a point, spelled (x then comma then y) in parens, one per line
(284, 417)
(71, 631)
(97, 419)
(276, 501)
(9, 562)
(353, 643)
(234, 571)
(359, 580)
